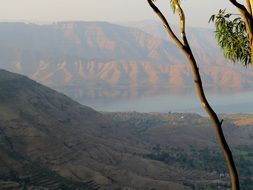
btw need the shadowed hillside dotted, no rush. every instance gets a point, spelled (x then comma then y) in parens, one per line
(49, 141)
(43, 128)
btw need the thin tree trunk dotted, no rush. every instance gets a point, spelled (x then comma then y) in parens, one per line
(217, 123)
(185, 48)
(249, 28)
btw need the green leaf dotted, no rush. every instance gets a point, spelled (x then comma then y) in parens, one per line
(232, 37)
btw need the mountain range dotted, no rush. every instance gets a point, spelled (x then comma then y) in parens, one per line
(92, 60)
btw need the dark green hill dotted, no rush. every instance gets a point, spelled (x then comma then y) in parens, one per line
(27, 109)
(50, 141)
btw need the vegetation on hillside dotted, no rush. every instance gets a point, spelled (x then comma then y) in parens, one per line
(205, 158)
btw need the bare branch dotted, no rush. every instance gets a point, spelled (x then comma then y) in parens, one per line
(185, 47)
(181, 16)
(243, 10)
(166, 24)
(249, 7)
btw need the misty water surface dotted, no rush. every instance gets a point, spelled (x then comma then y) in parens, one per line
(229, 103)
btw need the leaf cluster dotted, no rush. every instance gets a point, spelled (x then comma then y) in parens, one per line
(232, 37)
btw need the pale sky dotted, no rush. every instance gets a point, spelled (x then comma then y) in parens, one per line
(198, 11)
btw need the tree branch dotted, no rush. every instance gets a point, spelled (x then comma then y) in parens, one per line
(166, 24)
(185, 47)
(249, 7)
(243, 10)
(182, 19)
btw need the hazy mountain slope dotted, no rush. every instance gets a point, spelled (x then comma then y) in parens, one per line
(86, 41)
(202, 40)
(97, 59)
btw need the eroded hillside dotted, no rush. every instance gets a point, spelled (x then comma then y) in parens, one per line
(108, 61)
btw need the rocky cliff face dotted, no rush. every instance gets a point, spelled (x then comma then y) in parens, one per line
(97, 59)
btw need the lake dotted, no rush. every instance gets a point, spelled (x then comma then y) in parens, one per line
(229, 103)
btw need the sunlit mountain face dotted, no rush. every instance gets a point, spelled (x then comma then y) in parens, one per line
(97, 62)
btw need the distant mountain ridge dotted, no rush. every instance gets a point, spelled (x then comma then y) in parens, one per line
(103, 60)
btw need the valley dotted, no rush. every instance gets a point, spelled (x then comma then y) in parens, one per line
(87, 104)
(49, 141)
